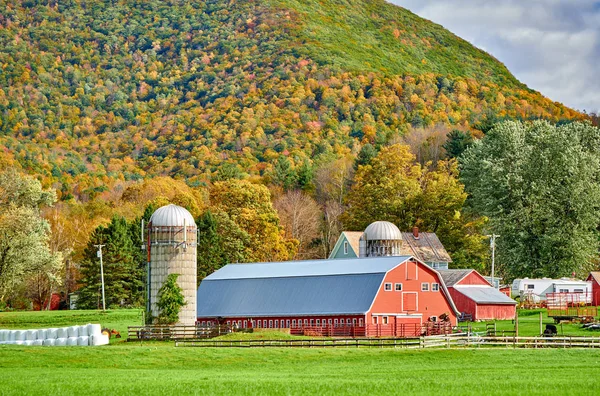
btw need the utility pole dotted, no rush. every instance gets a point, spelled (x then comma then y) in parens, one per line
(101, 275)
(493, 246)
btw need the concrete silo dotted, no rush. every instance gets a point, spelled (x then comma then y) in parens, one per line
(171, 245)
(380, 238)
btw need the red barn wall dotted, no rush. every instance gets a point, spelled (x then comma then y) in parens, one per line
(473, 279)
(428, 303)
(463, 303)
(495, 312)
(595, 290)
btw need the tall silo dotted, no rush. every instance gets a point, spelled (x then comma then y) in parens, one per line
(380, 238)
(171, 244)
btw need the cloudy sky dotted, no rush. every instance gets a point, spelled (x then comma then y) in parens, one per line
(553, 46)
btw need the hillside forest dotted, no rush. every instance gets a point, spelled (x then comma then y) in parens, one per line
(277, 129)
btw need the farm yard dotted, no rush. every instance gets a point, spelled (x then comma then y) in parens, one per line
(160, 368)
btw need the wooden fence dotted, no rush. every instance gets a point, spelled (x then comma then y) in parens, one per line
(441, 341)
(169, 333)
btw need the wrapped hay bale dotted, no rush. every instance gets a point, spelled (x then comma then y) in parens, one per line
(60, 342)
(38, 342)
(94, 329)
(99, 339)
(4, 334)
(83, 331)
(52, 333)
(62, 333)
(71, 341)
(83, 340)
(73, 331)
(41, 334)
(30, 335)
(19, 335)
(48, 342)
(28, 342)
(12, 335)
(19, 342)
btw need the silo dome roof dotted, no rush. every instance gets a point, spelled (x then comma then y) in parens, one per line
(172, 216)
(382, 231)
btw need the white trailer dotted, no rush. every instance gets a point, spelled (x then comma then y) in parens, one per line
(535, 290)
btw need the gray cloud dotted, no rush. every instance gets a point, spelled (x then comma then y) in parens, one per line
(553, 46)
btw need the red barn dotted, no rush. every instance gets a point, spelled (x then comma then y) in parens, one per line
(381, 296)
(594, 277)
(473, 295)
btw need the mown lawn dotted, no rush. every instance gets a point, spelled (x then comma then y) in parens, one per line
(160, 368)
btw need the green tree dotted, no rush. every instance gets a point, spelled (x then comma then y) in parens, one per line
(539, 186)
(394, 187)
(457, 143)
(170, 301)
(123, 274)
(283, 173)
(365, 155)
(25, 255)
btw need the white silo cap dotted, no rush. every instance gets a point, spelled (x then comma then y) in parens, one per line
(172, 216)
(382, 231)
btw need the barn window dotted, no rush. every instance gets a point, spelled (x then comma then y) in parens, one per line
(385, 320)
(265, 324)
(270, 324)
(329, 322)
(293, 322)
(203, 323)
(348, 321)
(258, 324)
(388, 287)
(239, 324)
(287, 324)
(425, 286)
(245, 324)
(318, 322)
(305, 322)
(312, 322)
(277, 323)
(345, 247)
(229, 323)
(360, 322)
(435, 287)
(335, 322)
(398, 286)
(374, 319)
(354, 322)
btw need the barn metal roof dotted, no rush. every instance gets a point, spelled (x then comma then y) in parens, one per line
(311, 295)
(312, 287)
(288, 269)
(453, 276)
(484, 294)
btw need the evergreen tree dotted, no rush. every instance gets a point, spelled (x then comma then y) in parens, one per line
(365, 155)
(457, 143)
(283, 173)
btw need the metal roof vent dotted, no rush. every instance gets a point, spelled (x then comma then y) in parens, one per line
(172, 216)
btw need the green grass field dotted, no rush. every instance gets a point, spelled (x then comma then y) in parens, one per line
(160, 368)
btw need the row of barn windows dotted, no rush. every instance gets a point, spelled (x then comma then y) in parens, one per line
(424, 286)
(290, 323)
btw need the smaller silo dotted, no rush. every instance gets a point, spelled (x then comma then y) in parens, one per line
(171, 248)
(380, 238)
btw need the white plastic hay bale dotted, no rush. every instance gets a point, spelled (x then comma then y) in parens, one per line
(19, 342)
(28, 342)
(99, 339)
(60, 342)
(71, 341)
(94, 329)
(83, 331)
(30, 335)
(38, 342)
(41, 334)
(83, 340)
(62, 333)
(48, 342)
(12, 335)
(73, 331)
(4, 334)
(19, 335)
(51, 333)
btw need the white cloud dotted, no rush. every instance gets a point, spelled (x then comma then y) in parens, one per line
(553, 46)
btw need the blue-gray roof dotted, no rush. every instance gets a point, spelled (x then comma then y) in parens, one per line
(484, 294)
(312, 287)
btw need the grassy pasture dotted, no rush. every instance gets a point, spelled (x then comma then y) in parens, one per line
(159, 368)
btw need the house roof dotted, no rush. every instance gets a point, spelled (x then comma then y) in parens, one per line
(484, 294)
(427, 247)
(312, 287)
(452, 276)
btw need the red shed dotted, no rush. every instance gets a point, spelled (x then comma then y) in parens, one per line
(473, 295)
(594, 277)
(380, 296)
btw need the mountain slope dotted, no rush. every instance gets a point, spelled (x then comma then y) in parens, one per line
(95, 93)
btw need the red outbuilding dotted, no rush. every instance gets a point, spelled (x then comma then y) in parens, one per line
(474, 296)
(380, 296)
(594, 277)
